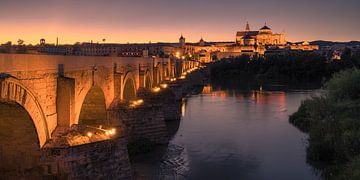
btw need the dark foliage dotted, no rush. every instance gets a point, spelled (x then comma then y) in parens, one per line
(333, 124)
(300, 68)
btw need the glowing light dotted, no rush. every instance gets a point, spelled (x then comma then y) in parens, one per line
(113, 131)
(182, 77)
(110, 132)
(156, 89)
(137, 102)
(182, 57)
(163, 85)
(184, 73)
(173, 79)
(89, 134)
(177, 54)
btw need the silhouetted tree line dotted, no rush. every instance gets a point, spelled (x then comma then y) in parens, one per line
(300, 68)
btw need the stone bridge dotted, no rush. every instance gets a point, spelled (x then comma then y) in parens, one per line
(45, 100)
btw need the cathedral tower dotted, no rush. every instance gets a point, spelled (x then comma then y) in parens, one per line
(182, 41)
(247, 28)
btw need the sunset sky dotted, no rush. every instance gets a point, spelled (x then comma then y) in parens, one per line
(122, 21)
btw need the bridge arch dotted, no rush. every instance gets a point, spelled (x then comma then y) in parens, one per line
(156, 75)
(93, 109)
(11, 90)
(129, 88)
(19, 143)
(148, 80)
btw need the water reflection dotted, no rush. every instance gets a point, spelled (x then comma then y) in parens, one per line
(183, 107)
(238, 134)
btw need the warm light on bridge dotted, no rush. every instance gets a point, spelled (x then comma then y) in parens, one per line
(110, 132)
(137, 102)
(107, 132)
(164, 86)
(156, 89)
(89, 134)
(173, 79)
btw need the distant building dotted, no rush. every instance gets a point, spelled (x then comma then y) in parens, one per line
(42, 42)
(182, 41)
(247, 42)
(264, 36)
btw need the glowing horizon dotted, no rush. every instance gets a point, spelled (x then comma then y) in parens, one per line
(140, 21)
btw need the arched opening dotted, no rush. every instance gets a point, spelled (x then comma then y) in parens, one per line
(129, 90)
(156, 76)
(93, 110)
(19, 143)
(147, 81)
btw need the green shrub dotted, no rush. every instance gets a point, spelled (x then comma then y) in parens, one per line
(333, 124)
(344, 86)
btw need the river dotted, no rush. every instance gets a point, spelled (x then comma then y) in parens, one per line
(233, 134)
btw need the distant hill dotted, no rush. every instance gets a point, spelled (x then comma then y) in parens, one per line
(330, 43)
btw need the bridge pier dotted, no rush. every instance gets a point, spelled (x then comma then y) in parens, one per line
(139, 121)
(166, 98)
(106, 159)
(65, 101)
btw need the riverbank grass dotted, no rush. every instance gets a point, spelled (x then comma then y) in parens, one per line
(332, 121)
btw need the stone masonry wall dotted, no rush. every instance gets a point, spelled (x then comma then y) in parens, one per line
(144, 121)
(101, 160)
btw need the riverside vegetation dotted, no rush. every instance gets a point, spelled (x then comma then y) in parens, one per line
(332, 119)
(287, 69)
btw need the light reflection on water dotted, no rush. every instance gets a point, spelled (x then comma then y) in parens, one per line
(238, 134)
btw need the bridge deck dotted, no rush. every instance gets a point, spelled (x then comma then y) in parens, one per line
(33, 62)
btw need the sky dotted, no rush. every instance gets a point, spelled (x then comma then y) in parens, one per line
(123, 21)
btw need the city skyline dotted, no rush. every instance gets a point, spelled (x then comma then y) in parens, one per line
(164, 21)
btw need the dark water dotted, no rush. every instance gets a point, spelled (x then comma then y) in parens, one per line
(234, 134)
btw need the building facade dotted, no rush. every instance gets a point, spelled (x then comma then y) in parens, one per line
(264, 36)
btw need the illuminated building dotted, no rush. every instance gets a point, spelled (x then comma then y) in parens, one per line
(264, 36)
(247, 42)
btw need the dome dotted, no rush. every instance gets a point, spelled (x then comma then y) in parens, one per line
(265, 28)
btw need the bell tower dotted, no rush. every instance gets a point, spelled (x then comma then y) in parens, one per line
(182, 41)
(247, 28)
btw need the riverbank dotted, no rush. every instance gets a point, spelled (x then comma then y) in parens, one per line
(332, 121)
(286, 70)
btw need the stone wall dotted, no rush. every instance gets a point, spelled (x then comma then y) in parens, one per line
(100, 160)
(143, 121)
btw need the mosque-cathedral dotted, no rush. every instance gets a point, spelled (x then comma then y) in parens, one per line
(264, 36)
(246, 42)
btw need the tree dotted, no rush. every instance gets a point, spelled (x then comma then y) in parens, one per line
(20, 42)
